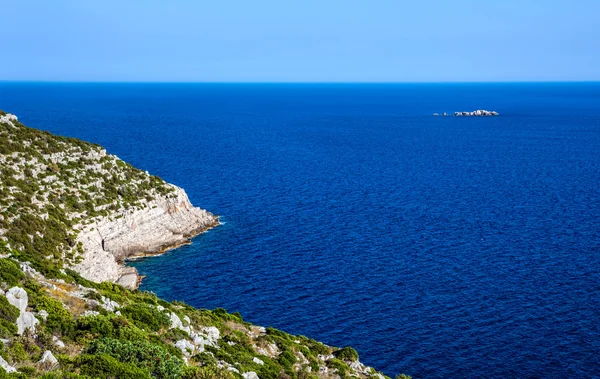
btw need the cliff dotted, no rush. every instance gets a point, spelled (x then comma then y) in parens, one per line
(69, 215)
(86, 207)
(164, 223)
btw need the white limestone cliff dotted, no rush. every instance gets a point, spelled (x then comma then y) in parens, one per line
(165, 222)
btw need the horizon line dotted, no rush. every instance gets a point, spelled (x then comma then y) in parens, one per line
(298, 82)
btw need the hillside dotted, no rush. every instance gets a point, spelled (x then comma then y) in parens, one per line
(70, 213)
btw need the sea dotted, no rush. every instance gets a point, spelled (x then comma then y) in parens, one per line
(438, 247)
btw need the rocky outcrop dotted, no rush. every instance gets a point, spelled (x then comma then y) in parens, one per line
(165, 222)
(479, 112)
(17, 297)
(8, 368)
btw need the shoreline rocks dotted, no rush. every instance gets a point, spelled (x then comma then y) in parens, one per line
(165, 223)
(477, 113)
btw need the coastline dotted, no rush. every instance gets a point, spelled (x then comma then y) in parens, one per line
(162, 224)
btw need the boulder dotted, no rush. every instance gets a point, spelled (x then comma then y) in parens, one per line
(48, 359)
(250, 375)
(8, 368)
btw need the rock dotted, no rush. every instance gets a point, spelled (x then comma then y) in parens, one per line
(477, 113)
(4, 364)
(250, 375)
(26, 321)
(109, 305)
(166, 222)
(57, 342)
(187, 320)
(17, 296)
(43, 314)
(90, 313)
(175, 321)
(258, 361)
(186, 347)
(212, 333)
(48, 359)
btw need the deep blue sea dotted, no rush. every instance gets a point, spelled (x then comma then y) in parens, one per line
(436, 246)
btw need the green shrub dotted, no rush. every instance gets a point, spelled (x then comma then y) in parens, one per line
(155, 359)
(107, 367)
(206, 373)
(8, 311)
(59, 318)
(346, 354)
(145, 316)
(10, 273)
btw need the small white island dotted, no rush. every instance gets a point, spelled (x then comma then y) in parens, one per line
(479, 112)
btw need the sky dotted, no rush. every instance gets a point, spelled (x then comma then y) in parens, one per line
(300, 41)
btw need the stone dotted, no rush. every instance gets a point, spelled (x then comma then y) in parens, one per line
(48, 359)
(186, 347)
(4, 364)
(258, 361)
(212, 333)
(17, 296)
(175, 321)
(26, 321)
(43, 314)
(57, 342)
(109, 305)
(250, 375)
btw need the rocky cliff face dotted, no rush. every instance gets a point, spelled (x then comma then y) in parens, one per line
(164, 223)
(65, 202)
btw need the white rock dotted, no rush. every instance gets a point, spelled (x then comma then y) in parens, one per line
(160, 308)
(212, 333)
(57, 342)
(175, 321)
(258, 361)
(187, 320)
(17, 296)
(165, 222)
(48, 358)
(90, 313)
(43, 314)
(186, 347)
(250, 375)
(233, 369)
(26, 321)
(109, 304)
(4, 364)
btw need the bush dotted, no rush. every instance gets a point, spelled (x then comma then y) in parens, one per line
(107, 367)
(206, 373)
(59, 319)
(155, 359)
(10, 272)
(8, 311)
(145, 316)
(346, 354)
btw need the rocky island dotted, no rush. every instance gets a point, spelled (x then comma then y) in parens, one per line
(479, 112)
(70, 215)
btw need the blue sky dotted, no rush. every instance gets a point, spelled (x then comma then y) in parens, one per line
(300, 41)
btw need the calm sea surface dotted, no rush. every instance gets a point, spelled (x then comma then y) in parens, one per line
(437, 247)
